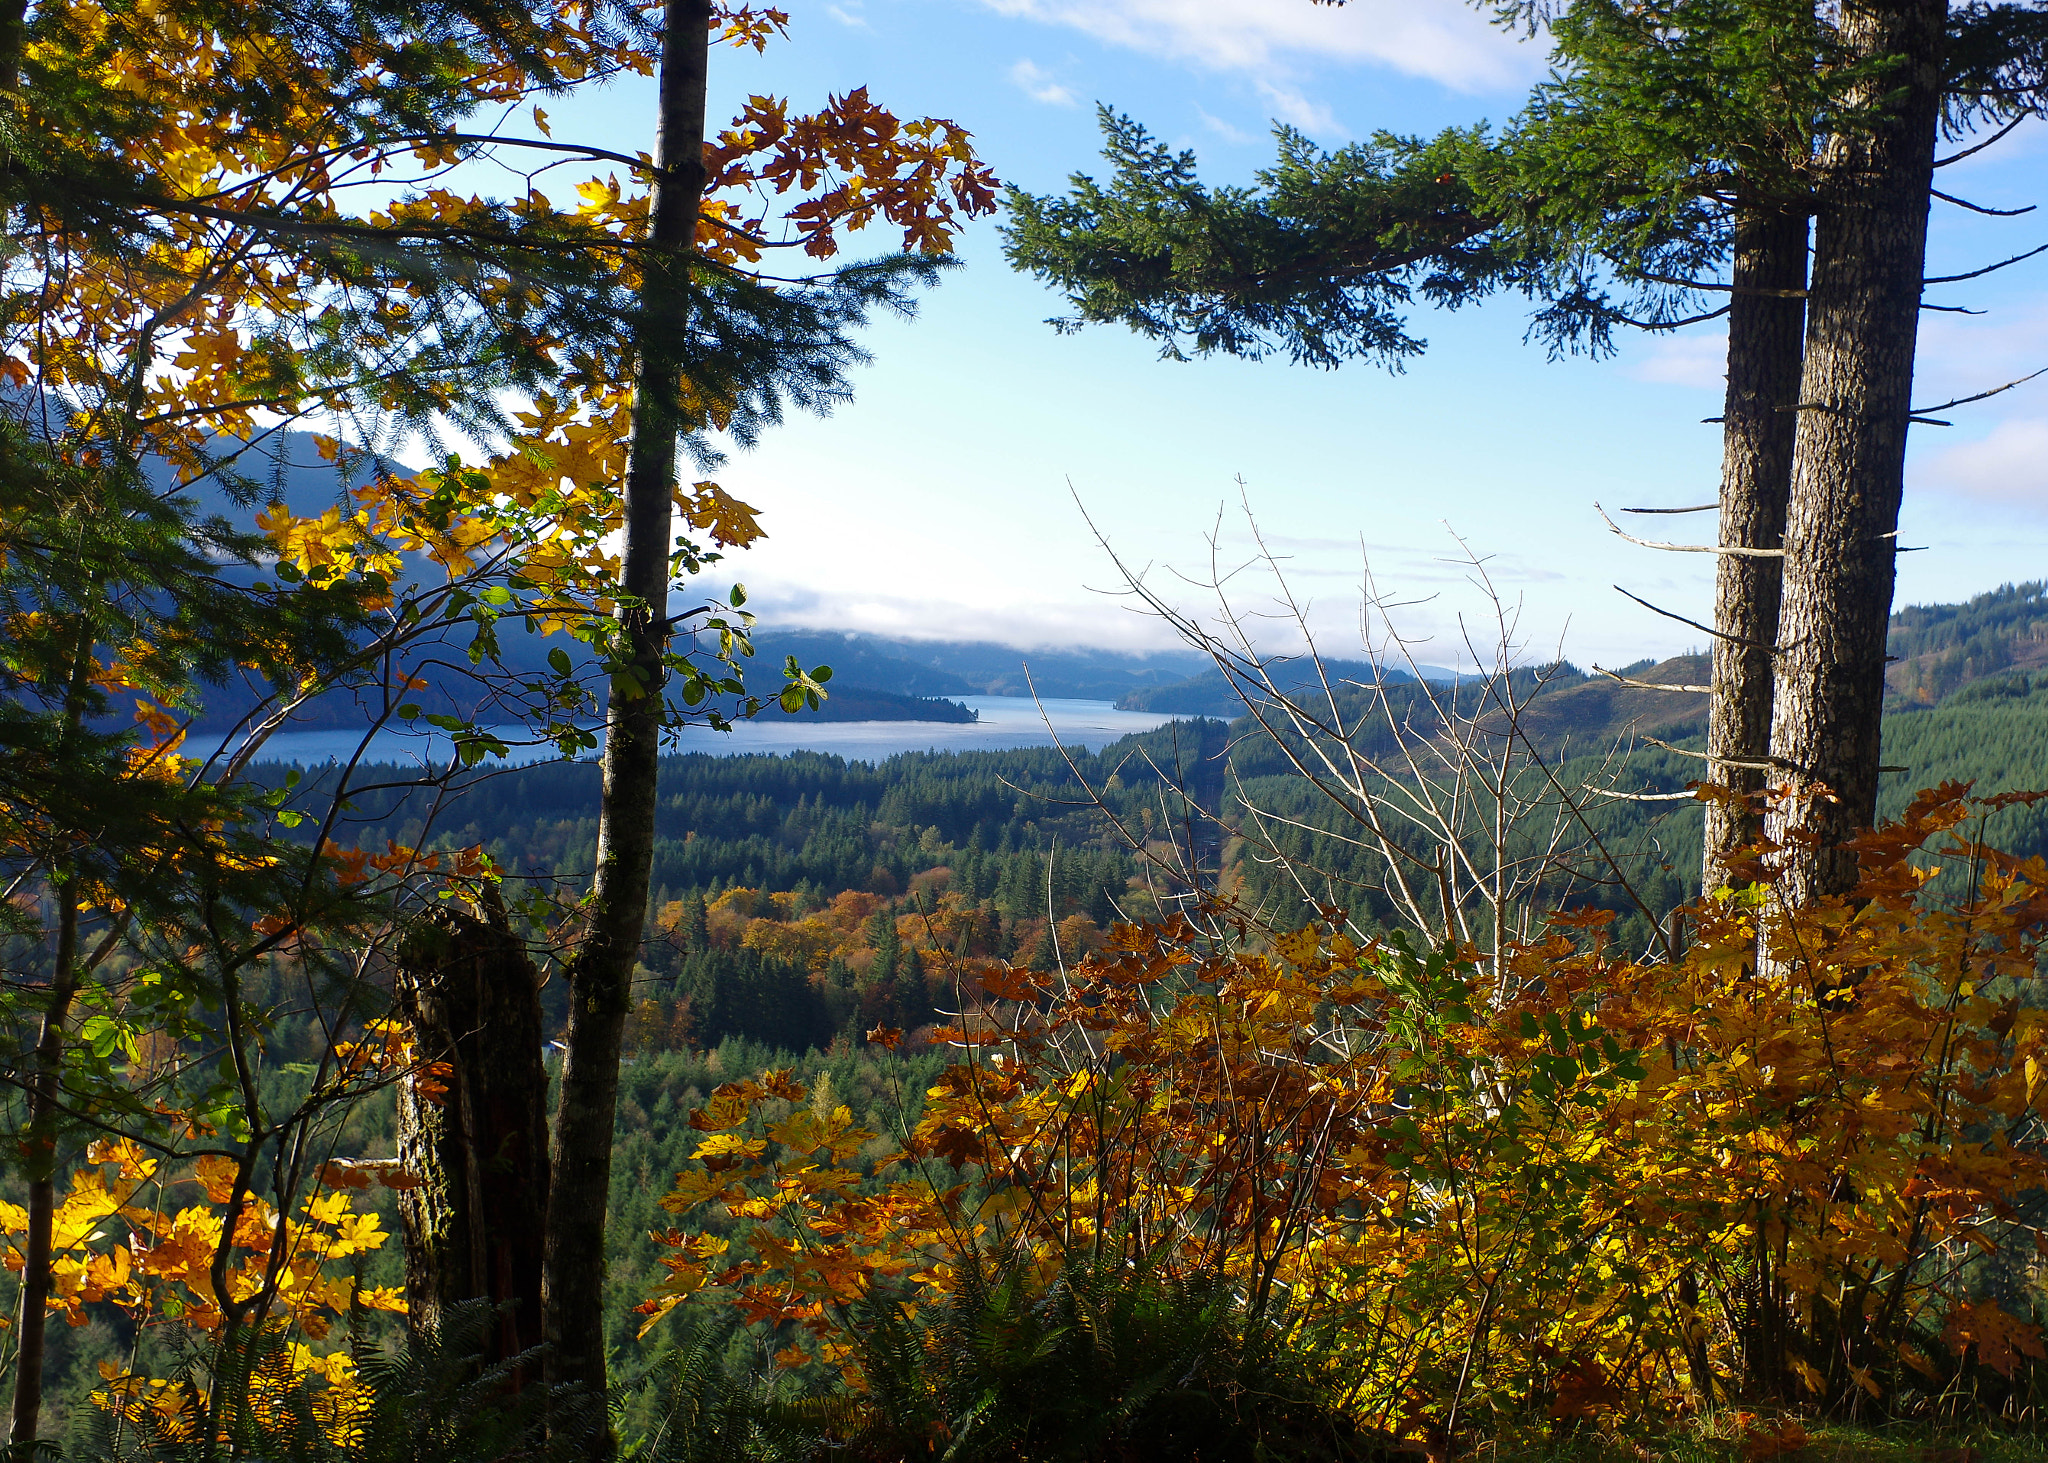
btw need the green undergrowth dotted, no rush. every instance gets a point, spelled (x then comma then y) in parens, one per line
(1734, 1435)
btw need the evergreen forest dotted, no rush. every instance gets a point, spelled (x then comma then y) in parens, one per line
(1366, 1059)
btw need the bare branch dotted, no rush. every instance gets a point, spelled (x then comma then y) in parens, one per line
(1722, 289)
(1685, 548)
(1697, 508)
(1641, 797)
(1982, 395)
(1668, 324)
(1980, 208)
(1768, 764)
(1987, 269)
(1653, 685)
(1709, 629)
(1993, 140)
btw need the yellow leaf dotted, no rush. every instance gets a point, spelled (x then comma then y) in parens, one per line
(1300, 947)
(731, 523)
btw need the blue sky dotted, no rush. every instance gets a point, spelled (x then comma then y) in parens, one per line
(943, 502)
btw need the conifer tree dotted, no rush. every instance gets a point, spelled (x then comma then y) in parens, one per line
(696, 924)
(887, 945)
(1674, 138)
(187, 275)
(1045, 955)
(1854, 410)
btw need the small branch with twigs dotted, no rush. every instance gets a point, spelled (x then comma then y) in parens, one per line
(1653, 685)
(1746, 553)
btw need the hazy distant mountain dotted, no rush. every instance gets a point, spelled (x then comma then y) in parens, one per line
(1937, 649)
(1210, 692)
(975, 668)
(286, 467)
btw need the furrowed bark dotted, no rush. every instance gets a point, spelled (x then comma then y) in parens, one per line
(600, 976)
(39, 1158)
(475, 1226)
(1765, 348)
(1870, 247)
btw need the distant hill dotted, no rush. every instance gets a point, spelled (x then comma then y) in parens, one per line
(976, 667)
(862, 703)
(1211, 693)
(1940, 649)
(1584, 713)
(285, 467)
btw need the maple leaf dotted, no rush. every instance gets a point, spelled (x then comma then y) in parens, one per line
(1999, 1338)
(727, 1108)
(731, 523)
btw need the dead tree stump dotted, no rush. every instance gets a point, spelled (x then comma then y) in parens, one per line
(475, 1224)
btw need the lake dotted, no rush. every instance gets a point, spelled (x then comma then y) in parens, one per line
(1006, 722)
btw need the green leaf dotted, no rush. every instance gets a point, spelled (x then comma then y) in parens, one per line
(103, 1034)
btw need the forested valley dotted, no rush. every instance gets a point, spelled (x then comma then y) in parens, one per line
(428, 1033)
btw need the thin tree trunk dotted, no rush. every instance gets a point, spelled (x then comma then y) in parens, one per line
(13, 37)
(600, 977)
(1855, 398)
(39, 1158)
(475, 1225)
(45, 1087)
(1766, 320)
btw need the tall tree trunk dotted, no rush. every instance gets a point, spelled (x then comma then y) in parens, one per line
(45, 1092)
(1855, 397)
(474, 1228)
(600, 977)
(1766, 322)
(39, 1159)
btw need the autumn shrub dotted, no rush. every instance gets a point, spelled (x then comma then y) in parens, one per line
(431, 1399)
(1106, 1360)
(1561, 1185)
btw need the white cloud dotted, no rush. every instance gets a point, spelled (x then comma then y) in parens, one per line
(849, 16)
(1297, 110)
(1038, 84)
(1444, 40)
(1026, 625)
(1225, 131)
(1699, 361)
(2008, 467)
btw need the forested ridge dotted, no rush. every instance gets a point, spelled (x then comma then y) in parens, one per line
(770, 872)
(804, 901)
(1382, 1062)
(1942, 648)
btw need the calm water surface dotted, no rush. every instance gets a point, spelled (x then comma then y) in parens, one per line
(1006, 722)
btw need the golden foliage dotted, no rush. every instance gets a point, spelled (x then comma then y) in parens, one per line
(116, 1241)
(1575, 1184)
